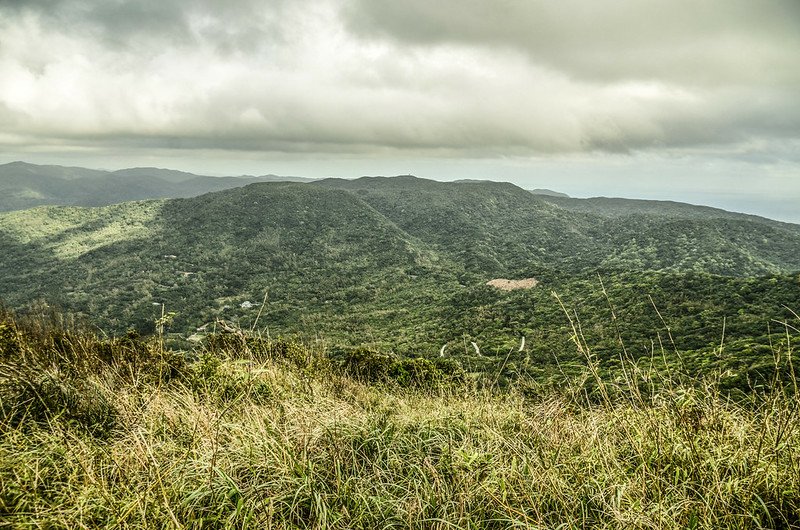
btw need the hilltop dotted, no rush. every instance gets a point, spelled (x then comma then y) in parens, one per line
(548, 192)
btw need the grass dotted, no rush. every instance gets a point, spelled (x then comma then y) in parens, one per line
(72, 231)
(247, 433)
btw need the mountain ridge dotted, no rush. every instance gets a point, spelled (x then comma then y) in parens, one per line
(24, 185)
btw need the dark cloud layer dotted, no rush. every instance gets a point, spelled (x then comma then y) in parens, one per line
(713, 42)
(593, 75)
(147, 26)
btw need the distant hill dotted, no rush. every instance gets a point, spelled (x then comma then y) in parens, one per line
(24, 185)
(22, 169)
(279, 178)
(549, 193)
(611, 207)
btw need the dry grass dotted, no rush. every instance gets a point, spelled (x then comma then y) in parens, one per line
(238, 440)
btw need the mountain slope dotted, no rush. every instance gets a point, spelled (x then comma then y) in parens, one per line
(618, 207)
(403, 264)
(490, 228)
(499, 228)
(23, 169)
(548, 193)
(322, 247)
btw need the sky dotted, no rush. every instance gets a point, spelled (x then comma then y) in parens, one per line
(697, 101)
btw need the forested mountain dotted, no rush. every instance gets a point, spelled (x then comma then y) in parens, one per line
(25, 185)
(403, 263)
(499, 228)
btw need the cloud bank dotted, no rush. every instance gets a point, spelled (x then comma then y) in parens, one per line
(367, 77)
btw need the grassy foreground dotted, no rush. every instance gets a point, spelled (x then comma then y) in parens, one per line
(255, 434)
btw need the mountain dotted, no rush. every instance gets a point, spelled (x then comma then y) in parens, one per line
(279, 178)
(304, 243)
(404, 264)
(499, 228)
(24, 169)
(618, 207)
(168, 175)
(24, 185)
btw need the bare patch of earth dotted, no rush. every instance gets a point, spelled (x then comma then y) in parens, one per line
(511, 285)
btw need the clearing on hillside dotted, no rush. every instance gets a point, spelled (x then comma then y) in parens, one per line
(511, 285)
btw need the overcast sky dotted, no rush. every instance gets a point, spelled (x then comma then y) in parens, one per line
(669, 99)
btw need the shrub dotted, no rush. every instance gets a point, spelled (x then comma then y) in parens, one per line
(41, 397)
(417, 372)
(9, 343)
(258, 349)
(452, 369)
(368, 365)
(371, 366)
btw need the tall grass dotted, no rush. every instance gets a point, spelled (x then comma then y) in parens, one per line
(265, 434)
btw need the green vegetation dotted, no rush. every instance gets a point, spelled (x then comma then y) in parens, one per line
(247, 432)
(401, 264)
(68, 232)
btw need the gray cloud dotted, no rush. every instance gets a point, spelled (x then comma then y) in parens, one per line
(711, 42)
(147, 26)
(116, 22)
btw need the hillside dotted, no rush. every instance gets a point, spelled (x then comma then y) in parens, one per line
(25, 185)
(618, 207)
(498, 228)
(312, 248)
(402, 264)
